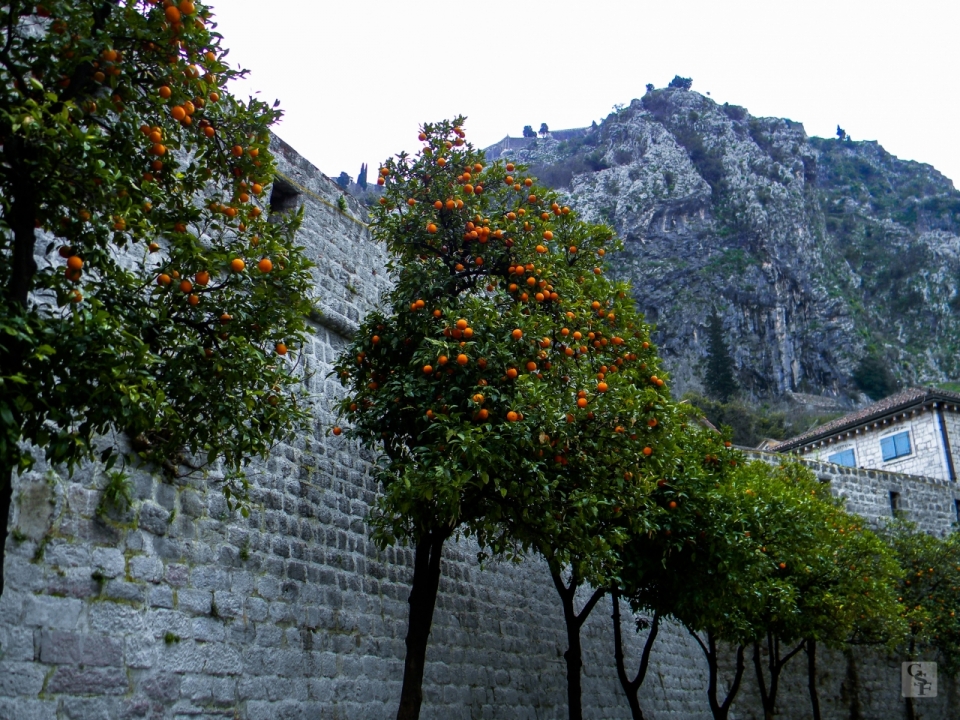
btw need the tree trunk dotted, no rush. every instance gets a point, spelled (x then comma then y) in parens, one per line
(812, 678)
(632, 687)
(720, 710)
(423, 599)
(6, 500)
(775, 664)
(574, 653)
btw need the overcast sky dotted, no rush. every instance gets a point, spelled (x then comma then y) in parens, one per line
(356, 79)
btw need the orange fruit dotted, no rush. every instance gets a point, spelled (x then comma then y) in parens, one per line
(431, 228)
(547, 235)
(236, 151)
(442, 360)
(462, 359)
(172, 14)
(163, 279)
(265, 265)
(203, 277)
(531, 366)
(178, 113)
(187, 7)
(512, 416)
(74, 263)
(441, 161)
(281, 349)
(601, 387)
(512, 373)
(237, 265)
(193, 299)
(337, 430)
(648, 451)
(427, 369)
(461, 324)
(581, 402)
(673, 504)
(483, 414)
(517, 334)
(165, 92)
(186, 286)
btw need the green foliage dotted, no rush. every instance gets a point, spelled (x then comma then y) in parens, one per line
(680, 83)
(718, 377)
(873, 376)
(117, 494)
(107, 348)
(762, 554)
(529, 132)
(929, 588)
(454, 455)
(749, 426)
(342, 204)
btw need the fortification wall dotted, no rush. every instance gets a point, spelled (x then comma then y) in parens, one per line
(181, 609)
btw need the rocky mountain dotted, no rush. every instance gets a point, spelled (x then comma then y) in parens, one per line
(826, 259)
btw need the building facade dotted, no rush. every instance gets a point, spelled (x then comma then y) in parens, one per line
(915, 432)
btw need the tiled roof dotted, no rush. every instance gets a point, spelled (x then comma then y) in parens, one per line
(888, 406)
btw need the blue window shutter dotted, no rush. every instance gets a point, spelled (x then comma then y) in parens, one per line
(847, 458)
(902, 443)
(888, 448)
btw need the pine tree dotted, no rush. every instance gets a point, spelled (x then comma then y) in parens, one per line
(718, 373)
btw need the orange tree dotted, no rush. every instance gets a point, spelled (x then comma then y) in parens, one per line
(834, 577)
(703, 461)
(613, 434)
(143, 290)
(929, 589)
(505, 378)
(697, 565)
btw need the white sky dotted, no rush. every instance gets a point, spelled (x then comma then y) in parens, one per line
(357, 78)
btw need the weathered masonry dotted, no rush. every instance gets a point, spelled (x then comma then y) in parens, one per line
(180, 609)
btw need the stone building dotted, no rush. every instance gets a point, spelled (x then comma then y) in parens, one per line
(178, 609)
(915, 432)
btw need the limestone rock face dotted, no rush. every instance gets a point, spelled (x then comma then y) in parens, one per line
(815, 253)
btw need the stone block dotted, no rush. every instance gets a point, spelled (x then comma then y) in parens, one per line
(20, 679)
(70, 680)
(51, 612)
(146, 568)
(153, 518)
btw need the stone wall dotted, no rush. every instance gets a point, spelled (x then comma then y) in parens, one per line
(178, 608)
(930, 502)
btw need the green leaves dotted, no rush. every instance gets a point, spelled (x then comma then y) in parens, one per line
(144, 169)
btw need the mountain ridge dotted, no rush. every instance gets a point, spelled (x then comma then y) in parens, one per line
(821, 256)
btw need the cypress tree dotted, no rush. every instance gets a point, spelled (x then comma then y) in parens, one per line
(718, 379)
(362, 177)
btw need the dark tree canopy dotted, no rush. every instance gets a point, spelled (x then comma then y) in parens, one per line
(650, 87)
(841, 133)
(874, 377)
(362, 177)
(681, 83)
(528, 131)
(718, 372)
(544, 129)
(343, 180)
